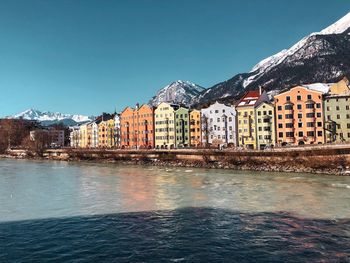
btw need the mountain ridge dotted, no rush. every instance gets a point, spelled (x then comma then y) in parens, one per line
(319, 57)
(47, 118)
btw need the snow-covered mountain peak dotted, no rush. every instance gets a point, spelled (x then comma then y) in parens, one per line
(338, 27)
(47, 117)
(179, 91)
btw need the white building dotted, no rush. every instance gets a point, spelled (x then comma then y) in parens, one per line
(219, 125)
(94, 134)
(74, 136)
(117, 130)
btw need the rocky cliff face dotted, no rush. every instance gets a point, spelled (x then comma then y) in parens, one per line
(178, 92)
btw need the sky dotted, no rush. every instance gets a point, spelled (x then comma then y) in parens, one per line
(88, 57)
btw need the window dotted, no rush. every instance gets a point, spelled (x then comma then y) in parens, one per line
(289, 125)
(319, 133)
(310, 115)
(288, 107)
(300, 125)
(310, 133)
(337, 108)
(288, 98)
(338, 116)
(289, 134)
(347, 107)
(318, 105)
(300, 115)
(318, 114)
(310, 124)
(280, 125)
(301, 134)
(298, 97)
(279, 107)
(280, 134)
(299, 106)
(309, 97)
(319, 124)
(259, 113)
(280, 117)
(289, 116)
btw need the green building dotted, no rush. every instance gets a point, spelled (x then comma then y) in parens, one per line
(265, 125)
(182, 128)
(337, 112)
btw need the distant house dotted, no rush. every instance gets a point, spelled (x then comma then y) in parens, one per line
(53, 137)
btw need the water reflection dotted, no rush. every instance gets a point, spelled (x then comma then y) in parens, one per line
(30, 190)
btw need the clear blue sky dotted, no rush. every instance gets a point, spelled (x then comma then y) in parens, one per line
(91, 56)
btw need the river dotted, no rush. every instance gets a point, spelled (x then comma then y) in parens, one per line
(86, 212)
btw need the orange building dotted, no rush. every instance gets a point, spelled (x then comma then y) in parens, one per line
(299, 116)
(137, 127)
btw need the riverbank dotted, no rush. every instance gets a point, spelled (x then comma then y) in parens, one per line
(334, 160)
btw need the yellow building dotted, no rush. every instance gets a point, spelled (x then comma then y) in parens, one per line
(265, 125)
(164, 120)
(246, 118)
(195, 128)
(83, 136)
(110, 133)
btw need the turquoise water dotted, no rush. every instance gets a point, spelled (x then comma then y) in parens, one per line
(58, 211)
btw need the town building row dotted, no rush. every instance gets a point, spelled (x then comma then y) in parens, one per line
(308, 114)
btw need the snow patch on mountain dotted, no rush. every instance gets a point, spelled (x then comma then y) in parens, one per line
(178, 92)
(338, 27)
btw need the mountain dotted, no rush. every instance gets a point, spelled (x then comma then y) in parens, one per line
(47, 118)
(179, 92)
(319, 57)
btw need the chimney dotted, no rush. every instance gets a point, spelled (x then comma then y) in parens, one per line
(137, 106)
(260, 90)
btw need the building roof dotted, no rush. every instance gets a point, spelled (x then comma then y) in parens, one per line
(249, 99)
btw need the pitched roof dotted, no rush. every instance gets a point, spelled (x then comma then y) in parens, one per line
(249, 99)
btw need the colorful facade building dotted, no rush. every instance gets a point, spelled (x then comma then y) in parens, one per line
(182, 128)
(265, 125)
(164, 125)
(219, 125)
(110, 133)
(299, 115)
(195, 128)
(137, 127)
(127, 128)
(337, 112)
(83, 136)
(105, 125)
(102, 134)
(245, 107)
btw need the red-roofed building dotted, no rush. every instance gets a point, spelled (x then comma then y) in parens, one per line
(246, 120)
